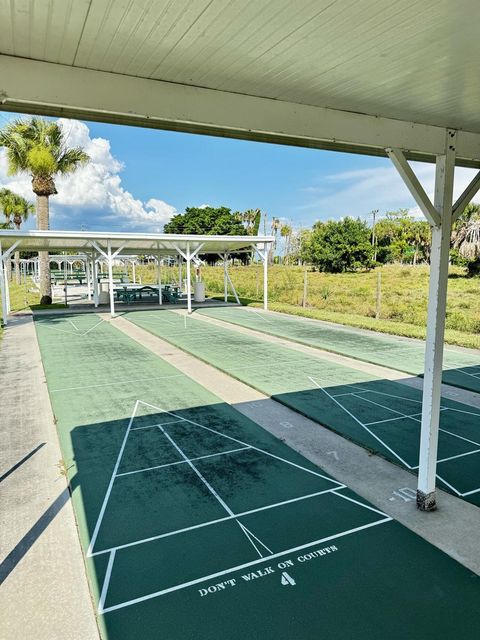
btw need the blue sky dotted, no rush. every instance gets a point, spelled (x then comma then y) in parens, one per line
(139, 177)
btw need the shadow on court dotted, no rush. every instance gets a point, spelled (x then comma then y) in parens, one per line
(197, 524)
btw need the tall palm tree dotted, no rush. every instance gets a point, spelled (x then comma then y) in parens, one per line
(286, 232)
(38, 147)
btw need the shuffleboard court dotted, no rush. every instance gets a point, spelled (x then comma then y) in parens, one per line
(461, 368)
(381, 415)
(196, 523)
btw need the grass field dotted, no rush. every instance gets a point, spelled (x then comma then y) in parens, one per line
(350, 298)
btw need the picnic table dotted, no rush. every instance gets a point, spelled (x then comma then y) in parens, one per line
(128, 293)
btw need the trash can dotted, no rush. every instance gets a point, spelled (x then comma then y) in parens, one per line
(199, 292)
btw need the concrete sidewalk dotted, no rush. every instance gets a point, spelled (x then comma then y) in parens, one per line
(44, 593)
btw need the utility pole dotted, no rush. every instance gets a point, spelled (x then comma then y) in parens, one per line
(374, 237)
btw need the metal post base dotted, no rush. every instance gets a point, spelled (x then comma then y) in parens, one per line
(426, 501)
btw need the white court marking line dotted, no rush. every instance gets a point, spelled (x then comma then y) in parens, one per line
(171, 464)
(414, 415)
(109, 384)
(449, 485)
(106, 581)
(73, 325)
(469, 493)
(117, 464)
(157, 318)
(71, 333)
(470, 413)
(459, 455)
(110, 484)
(246, 444)
(337, 493)
(210, 488)
(217, 521)
(455, 435)
(243, 566)
(360, 423)
(466, 373)
(157, 424)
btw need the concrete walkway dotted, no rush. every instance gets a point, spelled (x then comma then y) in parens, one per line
(44, 593)
(453, 527)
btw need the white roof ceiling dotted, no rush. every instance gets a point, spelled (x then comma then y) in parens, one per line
(129, 243)
(414, 60)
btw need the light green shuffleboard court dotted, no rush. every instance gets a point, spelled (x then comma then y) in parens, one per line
(461, 367)
(381, 415)
(197, 524)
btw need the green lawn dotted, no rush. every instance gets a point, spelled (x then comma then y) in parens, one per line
(350, 298)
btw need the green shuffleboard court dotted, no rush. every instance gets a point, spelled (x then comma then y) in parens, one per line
(381, 415)
(198, 524)
(461, 368)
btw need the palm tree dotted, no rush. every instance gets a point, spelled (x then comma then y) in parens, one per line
(286, 232)
(16, 210)
(466, 236)
(37, 146)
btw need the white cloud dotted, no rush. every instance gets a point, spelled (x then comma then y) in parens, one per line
(359, 191)
(94, 193)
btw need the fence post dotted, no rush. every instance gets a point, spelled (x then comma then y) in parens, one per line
(305, 288)
(379, 295)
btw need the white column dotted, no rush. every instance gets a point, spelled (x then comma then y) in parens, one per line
(87, 275)
(159, 280)
(133, 272)
(265, 277)
(7, 289)
(95, 280)
(3, 291)
(225, 283)
(437, 301)
(180, 285)
(189, 284)
(110, 278)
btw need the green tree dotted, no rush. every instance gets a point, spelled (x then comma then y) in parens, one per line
(38, 147)
(338, 246)
(206, 221)
(16, 210)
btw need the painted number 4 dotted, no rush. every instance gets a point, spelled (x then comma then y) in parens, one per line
(287, 580)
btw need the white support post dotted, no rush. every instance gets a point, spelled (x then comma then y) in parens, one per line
(437, 302)
(188, 256)
(3, 291)
(95, 279)
(265, 278)
(159, 280)
(110, 278)
(440, 216)
(180, 274)
(189, 283)
(133, 272)
(225, 283)
(87, 275)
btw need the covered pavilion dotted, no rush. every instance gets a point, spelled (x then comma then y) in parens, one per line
(92, 248)
(398, 81)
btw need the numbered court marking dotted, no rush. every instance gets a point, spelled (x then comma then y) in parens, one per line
(381, 400)
(262, 548)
